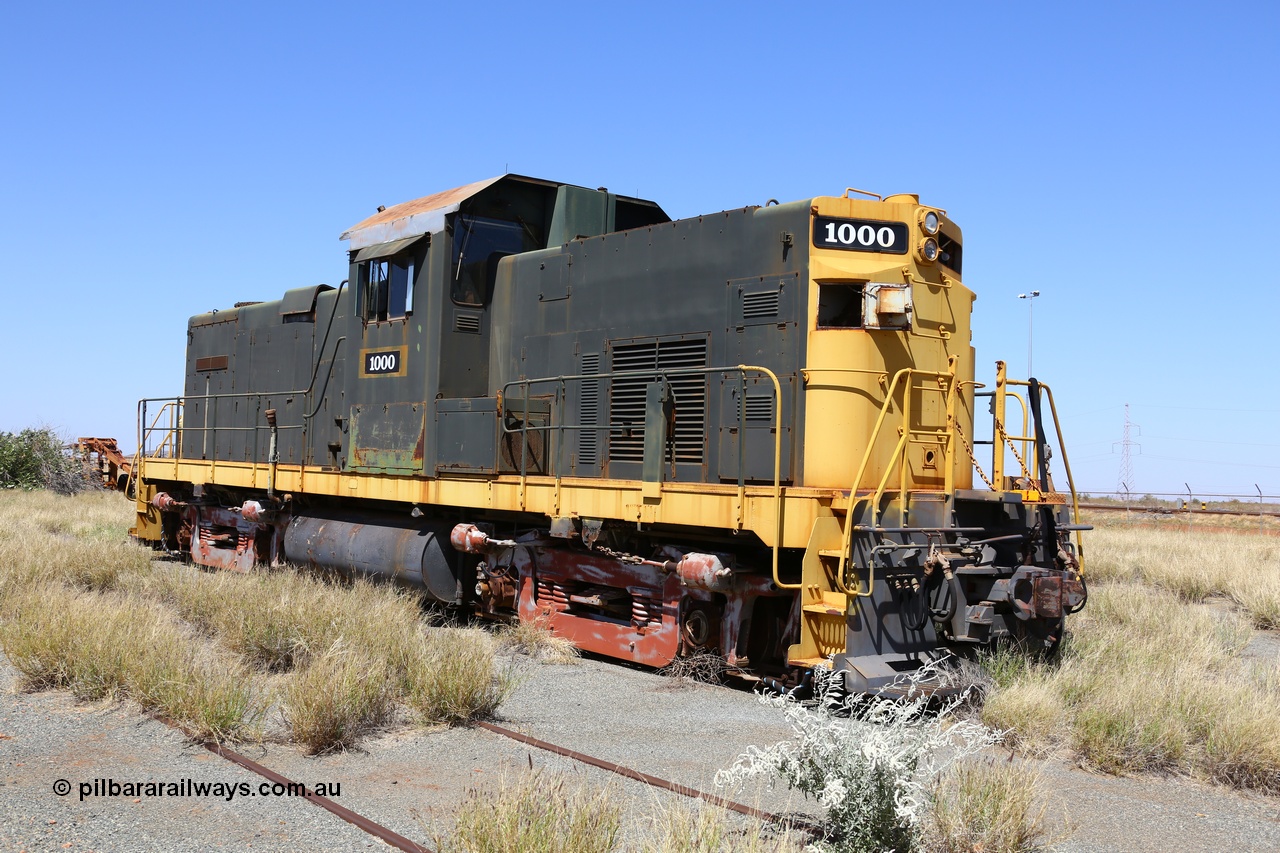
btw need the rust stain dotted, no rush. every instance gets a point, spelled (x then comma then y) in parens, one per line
(427, 203)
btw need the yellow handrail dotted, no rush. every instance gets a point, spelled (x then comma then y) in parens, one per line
(896, 458)
(777, 470)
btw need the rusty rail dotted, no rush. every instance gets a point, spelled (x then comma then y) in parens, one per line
(1179, 511)
(377, 830)
(627, 772)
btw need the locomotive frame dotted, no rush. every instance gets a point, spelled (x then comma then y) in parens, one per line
(749, 433)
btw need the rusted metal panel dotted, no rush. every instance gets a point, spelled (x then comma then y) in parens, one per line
(412, 218)
(653, 642)
(1047, 596)
(390, 438)
(222, 538)
(211, 363)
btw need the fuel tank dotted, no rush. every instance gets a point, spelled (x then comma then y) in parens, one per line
(410, 552)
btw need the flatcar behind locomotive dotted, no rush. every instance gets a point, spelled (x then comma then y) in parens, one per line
(749, 433)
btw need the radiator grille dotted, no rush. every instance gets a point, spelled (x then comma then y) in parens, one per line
(627, 398)
(589, 413)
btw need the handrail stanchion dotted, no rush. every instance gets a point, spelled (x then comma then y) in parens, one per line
(777, 470)
(1071, 483)
(742, 447)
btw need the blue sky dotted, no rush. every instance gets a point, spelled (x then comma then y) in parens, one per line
(162, 160)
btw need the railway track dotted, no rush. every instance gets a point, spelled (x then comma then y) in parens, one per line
(1164, 510)
(400, 842)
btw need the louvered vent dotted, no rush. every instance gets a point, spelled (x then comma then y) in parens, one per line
(589, 413)
(757, 306)
(469, 323)
(627, 398)
(759, 408)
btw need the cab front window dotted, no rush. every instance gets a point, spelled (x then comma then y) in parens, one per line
(478, 244)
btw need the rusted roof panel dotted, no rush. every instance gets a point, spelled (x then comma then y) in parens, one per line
(412, 218)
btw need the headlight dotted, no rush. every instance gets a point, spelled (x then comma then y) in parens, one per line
(930, 222)
(928, 250)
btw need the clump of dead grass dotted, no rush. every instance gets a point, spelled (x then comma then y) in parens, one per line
(695, 826)
(1194, 566)
(455, 678)
(81, 540)
(280, 619)
(536, 640)
(339, 697)
(989, 805)
(83, 609)
(535, 813)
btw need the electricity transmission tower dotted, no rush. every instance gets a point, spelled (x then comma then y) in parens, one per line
(1125, 481)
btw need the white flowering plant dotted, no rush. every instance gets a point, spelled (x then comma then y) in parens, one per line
(872, 763)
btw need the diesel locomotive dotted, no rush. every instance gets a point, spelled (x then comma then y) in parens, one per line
(753, 433)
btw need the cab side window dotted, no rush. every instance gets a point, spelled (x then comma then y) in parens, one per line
(386, 288)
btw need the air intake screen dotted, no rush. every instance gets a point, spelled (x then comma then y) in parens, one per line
(627, 398)
(589, 413)
(757, 306)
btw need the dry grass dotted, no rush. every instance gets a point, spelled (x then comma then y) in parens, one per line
(455, 677)
(280, 619)
(1151, 678)
(988, 806)
(695, 826)
(338, 698)
(1194, 566)
(535, 813)
(536, 640)
(109, 646)
(697, 668)
(82, 540)
(81, 608)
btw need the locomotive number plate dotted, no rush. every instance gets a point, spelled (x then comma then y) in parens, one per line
(860, 235)
(383, 362)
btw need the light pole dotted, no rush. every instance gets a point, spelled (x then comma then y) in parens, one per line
(1030, 297)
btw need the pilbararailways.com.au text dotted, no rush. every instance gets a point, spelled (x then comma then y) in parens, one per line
(191, 788)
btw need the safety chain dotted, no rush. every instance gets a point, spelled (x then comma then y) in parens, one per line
(972, 458)
(620, 556)
(1009, 441)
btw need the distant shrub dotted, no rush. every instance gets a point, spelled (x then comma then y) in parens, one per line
(37, 458)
